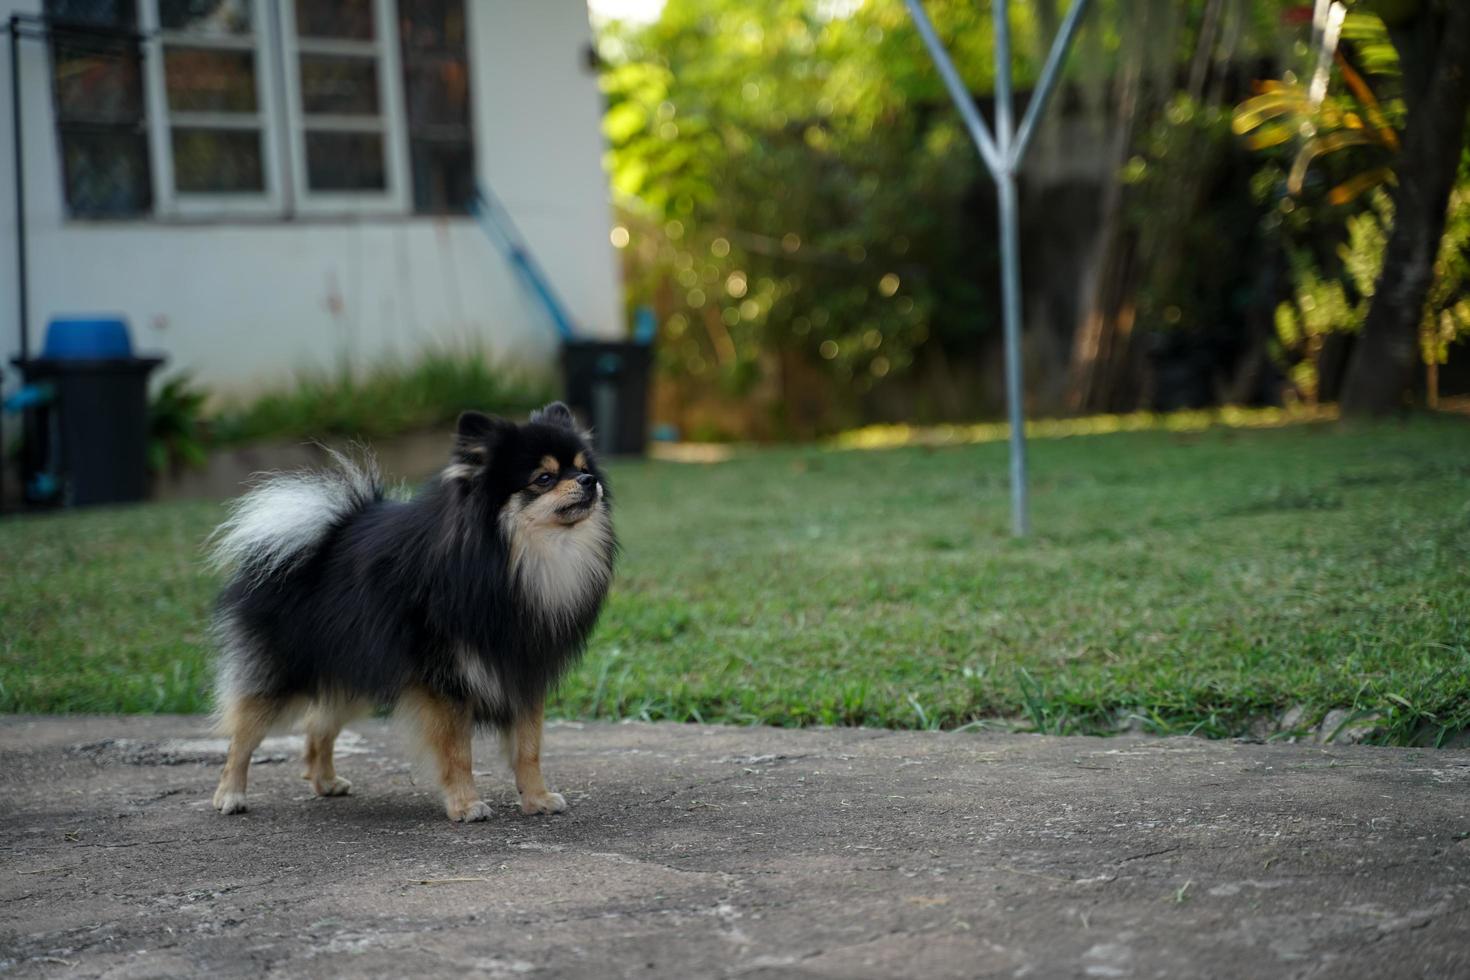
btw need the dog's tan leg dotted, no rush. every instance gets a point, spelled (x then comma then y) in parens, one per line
(525, 761)
(246, 719)
(323, 725)
(447, 729)
(309, 757)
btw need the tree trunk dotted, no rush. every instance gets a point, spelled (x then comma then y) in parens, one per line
(1435, 52)
(1092, 339)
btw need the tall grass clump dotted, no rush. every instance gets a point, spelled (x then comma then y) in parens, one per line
(387, 399)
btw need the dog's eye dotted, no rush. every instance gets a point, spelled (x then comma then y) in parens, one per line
(544, 480)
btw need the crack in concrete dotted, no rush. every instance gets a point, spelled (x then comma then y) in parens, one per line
(1147, 854)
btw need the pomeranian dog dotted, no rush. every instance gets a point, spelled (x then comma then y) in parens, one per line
(458, 609)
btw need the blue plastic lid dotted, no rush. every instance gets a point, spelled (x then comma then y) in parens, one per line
(645, 325)
(87, 338)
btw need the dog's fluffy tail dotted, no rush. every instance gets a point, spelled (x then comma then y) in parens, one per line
(285, 516)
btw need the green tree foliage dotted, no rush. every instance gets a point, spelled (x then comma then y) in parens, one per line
(1167, 326)
(1323, 305)
(796, 188)
(1347, 116)
(1330, 163)
(803, 208)
(1182, 206)
(1432, 39)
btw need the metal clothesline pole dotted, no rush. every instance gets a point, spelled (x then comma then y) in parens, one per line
(1050, 72)
(958, 92)
(1002, 156)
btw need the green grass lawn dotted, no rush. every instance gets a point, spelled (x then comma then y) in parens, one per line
(1191, 581)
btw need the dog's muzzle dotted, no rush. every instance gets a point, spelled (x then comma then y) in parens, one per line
(590, 492)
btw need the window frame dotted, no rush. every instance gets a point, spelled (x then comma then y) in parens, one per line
(126, 43)
(433, 133)
(279, 118)
(168, 200)
(396, 196)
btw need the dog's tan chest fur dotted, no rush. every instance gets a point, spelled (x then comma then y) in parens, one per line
(559, 567)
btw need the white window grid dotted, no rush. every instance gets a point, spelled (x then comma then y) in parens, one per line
(389, 123)
(169, 201)
(279, 117)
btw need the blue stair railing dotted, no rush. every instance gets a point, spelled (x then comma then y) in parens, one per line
(501, 229)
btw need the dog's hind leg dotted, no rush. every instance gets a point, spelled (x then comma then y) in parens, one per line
(324, 721)
(447, 729)
(247, 719)
(523, 743)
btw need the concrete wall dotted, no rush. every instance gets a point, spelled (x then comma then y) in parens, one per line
(242, 303)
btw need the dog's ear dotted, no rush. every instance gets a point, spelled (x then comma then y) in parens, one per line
(555, 413)
(476, 425)
(476, 437)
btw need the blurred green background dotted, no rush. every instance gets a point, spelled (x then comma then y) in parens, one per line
(1205, 211)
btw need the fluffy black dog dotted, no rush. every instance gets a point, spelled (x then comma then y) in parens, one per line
(458, 608)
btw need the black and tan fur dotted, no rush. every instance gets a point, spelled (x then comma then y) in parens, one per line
(458, 609)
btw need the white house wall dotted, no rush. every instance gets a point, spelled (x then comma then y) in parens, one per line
(242, 304)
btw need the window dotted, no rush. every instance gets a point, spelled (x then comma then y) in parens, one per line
(345, 121)
(436, 84)
(97, 86)
(264, 107)
(210, 92)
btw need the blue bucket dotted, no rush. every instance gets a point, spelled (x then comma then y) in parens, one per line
(87, 338)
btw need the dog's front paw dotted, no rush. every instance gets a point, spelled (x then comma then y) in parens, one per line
(547, 802)
(228, 801)
(336, 786)
(472, 812)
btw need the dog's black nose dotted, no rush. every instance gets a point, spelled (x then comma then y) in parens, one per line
(586, 481)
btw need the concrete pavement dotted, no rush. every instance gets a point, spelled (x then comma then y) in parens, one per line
(734, 852)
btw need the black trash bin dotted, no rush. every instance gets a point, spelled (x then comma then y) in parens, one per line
(87, 435)
(607, 387)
